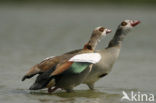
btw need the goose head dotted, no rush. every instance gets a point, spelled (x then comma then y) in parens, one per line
(122, 30)
(128, 24)
(96, 36)
(99, 32)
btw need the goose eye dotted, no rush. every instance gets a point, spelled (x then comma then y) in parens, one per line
(123, 24)
(101, 29)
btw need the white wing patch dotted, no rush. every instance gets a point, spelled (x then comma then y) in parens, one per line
(49, 57)
(87, 57)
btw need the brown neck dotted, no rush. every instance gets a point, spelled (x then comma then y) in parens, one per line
(88, 46)
(91, 44)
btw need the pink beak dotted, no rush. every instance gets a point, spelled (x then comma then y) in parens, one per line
(108, 31)
(135, 22)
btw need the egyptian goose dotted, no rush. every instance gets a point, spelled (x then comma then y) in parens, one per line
(109, 54)
(57, 68)
(49, 62)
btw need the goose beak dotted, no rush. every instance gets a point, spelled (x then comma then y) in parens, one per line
(135, 22)
(108, 31)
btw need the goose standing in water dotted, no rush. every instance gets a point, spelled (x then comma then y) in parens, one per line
(49, 62)
(110, 54)
(68, 70)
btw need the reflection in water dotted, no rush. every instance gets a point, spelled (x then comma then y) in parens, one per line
(85, 95)
(76, 93)
(63, 97)
(107, 95)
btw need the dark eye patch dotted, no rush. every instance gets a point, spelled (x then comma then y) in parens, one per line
(101, 29)
(89, 47)
(123, 23)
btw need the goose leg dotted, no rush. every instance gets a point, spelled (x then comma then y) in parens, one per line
(91, 86)
(69, 90)
(52, 90)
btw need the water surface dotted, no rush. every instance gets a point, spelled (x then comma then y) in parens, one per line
(30, 33)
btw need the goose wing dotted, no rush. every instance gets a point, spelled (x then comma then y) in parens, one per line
(77, 63)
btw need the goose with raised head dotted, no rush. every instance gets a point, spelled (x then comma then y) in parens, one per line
(49, 62)
(109, 54)
(70, 69)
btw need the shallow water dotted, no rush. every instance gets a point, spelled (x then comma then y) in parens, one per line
(29, 33)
